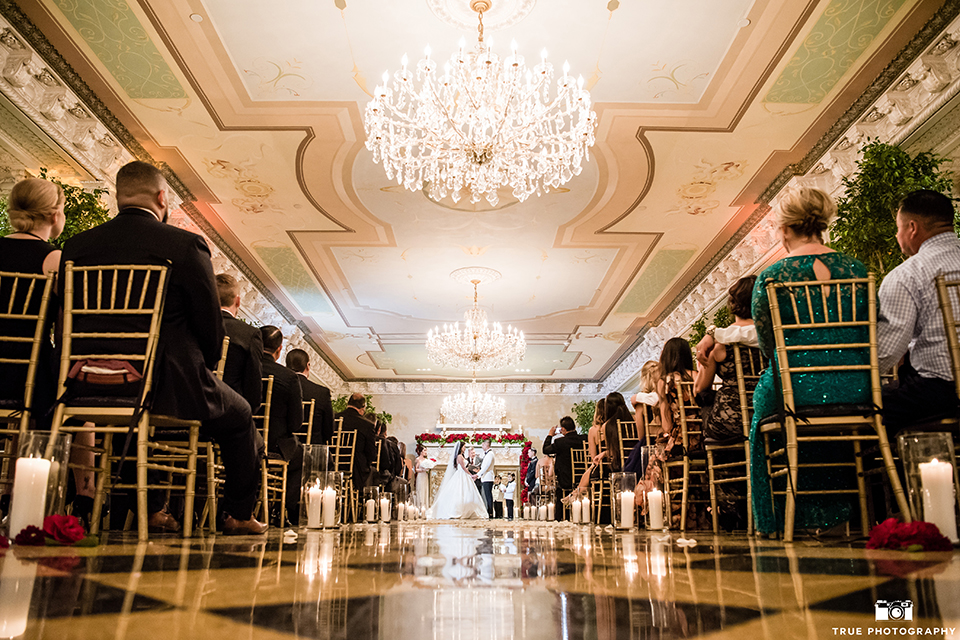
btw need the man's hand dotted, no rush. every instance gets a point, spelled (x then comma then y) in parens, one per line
(553, 431)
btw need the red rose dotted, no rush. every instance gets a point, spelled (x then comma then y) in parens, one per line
(64, 529)
(908, 536)
(30, 536)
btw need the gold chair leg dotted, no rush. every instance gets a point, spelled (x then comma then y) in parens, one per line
(190, 482)
(790, 511)
(749, 474)
(861, 489)
(666, 493)
(683, 494)
(142, 515)
(283, 493)
(212, 486)
(895, 486)
(264, 493)
(713, 493)
(103, 484)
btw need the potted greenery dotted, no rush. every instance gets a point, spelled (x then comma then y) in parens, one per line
(583, 414)
(866, 225)
(82, 209)
(340, 404)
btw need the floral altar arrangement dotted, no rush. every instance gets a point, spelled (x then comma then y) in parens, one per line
(479, 438)
(428, 438)
(456, 437)
(524, 463)
(57, 531)
(506, 439)
(908, 536)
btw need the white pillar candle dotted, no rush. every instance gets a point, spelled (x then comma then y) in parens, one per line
(936, 479)
(655, 508)
(626, 509)
(16, 588)
(401, 512)
(543, 512)
(329, 507)
(585, 510)
(29, 501)
(314, 503)
(551, 511)
(575, 512)
(526, 512)
(371, 510)
(384, 509)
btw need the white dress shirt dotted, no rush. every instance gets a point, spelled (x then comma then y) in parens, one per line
(486, 467)
(909, 316)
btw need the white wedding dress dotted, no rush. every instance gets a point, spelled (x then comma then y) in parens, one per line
(458, 497)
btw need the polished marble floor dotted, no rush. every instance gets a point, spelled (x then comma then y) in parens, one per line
(485, 581)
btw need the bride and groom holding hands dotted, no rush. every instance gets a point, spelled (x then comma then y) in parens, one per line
(459, 496)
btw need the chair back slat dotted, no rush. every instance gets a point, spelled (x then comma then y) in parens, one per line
(579, 461)
(308, 409)
(222, 362)
(263, 414)
(27, 310)
(948, 295)
(344, 443)
(629, 436)
(748, 362)
(691, 420)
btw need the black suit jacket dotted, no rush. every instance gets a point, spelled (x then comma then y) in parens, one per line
(243, 372)
(322, 409)
(561, 448)
(365, 450)
(191, 330)
(286, 407)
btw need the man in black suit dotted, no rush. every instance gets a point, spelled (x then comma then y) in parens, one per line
(560, 449)
(243, 372)
(299, 362)
(191, 334)
(286, 416)
(365, 450)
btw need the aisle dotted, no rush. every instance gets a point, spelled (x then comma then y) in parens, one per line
(469, 580)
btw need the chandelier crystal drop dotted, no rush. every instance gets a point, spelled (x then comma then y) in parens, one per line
(480, 123)
(477, 345)
(473, 407)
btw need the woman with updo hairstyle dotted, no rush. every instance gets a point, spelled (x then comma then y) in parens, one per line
(35, 210)
(803, 216)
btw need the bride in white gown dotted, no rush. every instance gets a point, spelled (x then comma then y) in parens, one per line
(458, 497)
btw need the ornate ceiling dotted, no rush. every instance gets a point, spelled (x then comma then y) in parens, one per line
(257, 109)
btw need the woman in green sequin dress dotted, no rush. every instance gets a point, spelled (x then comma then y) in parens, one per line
(803, 216)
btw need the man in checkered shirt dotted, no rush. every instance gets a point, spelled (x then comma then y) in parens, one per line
(910, 323)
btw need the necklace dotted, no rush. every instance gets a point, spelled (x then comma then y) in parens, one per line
(30, 233)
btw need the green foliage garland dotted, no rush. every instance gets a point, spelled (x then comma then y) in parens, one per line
(340, 404)
(866, 225)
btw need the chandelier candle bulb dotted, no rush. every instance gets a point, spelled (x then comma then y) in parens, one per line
(936, 478)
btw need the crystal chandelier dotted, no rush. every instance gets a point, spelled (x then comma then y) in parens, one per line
(478, 345)
(473, 407)
(480, 124)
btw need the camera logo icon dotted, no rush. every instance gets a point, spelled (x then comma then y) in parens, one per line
(894, 609)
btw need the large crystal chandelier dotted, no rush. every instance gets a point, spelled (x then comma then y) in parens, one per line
(473, 407)
(481, 124)
(477, 345)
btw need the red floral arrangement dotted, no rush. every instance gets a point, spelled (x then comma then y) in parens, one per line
(56, 531)
(524, 463)
(428, 437)
(456, 437)
(479, 438)
(908, 536)
(509, 438)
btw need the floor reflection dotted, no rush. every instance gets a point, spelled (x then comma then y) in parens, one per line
(450, 581)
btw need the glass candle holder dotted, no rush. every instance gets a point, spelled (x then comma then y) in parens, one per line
(386, 506)
(40, 479)
(930, 468)
(654, 506)
(400, 497)
(313, 481)
(550, 500)
(371, 504)
(585, 508)
(623, 488)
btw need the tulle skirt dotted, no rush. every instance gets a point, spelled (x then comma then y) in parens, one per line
(458, 498)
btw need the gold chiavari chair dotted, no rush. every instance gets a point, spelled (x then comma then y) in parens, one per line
(211, 455)
(813, 307)
(748, 363)
(948, 295)
(273, 468)
(129, 297)
(28, 298)
(344, 445)
(680, 472)
(307, 433)
(579, 463)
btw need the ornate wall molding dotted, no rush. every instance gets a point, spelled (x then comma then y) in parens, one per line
(924, 77)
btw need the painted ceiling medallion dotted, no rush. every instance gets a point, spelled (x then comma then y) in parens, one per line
(502, 14)
(480, 124)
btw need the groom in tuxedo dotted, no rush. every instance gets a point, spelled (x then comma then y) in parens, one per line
(486, 475)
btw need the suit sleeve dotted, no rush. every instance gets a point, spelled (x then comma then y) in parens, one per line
(370, 448)
(200, 291)
(253, 376)
(548, 446)
(295, 407)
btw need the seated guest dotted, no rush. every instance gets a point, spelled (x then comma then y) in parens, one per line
(191, 334)
(560, 448)
(243, 372)
(910, 322)
(803, 216)
(595, 433)
(608, 457)
(725, 420)
(286, 416)
(645, 401)
(299, 362)
(35, 211)
(365, 449)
